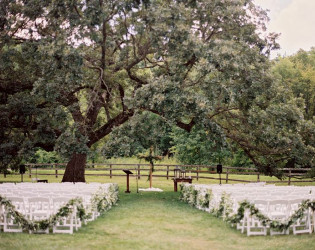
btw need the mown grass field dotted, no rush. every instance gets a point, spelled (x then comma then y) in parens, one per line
(151, 220)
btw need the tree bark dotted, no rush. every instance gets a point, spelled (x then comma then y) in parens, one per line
(75, 168)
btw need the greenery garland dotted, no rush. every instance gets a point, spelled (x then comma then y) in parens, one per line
(274, 224)
(225, 209)
(189, 194)
(101, 201)
(203, 198)
(35, 226)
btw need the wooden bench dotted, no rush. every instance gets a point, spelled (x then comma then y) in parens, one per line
(39, 180)
(45, 181)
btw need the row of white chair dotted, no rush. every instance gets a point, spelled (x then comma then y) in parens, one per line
(276, 203)
(277, 210)
(37, 209)
(39, 202)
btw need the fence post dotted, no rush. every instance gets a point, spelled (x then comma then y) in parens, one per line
(56, 171)
(110, 171)
(227, 175)
(4, 174)
(198, 173)
(289, 181)
(167, 171)
(139, 172)
(258, 177)
(30, 171)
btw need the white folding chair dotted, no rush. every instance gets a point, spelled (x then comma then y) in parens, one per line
(252, 224)
(18, 203)
(303, 225)
(278, 210)
(294, 205)
(2, 214)
(65, 224)
(39, 209)
(9, 222)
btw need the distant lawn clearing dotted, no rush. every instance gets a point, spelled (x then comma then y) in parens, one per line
(153, 220)
(91, 176)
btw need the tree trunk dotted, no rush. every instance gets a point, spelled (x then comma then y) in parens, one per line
(75, 169)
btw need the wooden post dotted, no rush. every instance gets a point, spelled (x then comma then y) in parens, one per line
(227, 175)
(198, 173)
(139, 172)
(127, 191)
(175, 185)
(128, 172)
(167, 171)
(56, 172)
(258, 177)
(151, 168)
(110, 171)
(289, 181)
(4, 174)
(30, 171)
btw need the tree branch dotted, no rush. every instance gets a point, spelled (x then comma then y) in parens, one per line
(108, 127)
(179, 124)
(139, 81)
(122, 96)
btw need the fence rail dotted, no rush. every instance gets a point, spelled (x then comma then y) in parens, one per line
(229, 174)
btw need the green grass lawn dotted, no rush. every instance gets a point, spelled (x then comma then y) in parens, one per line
(152, 220)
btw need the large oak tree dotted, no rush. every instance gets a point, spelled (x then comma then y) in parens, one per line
(83, 67)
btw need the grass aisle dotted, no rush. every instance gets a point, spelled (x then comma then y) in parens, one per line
(154, 221)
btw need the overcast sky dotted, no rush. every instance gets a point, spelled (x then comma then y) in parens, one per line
(295, 20)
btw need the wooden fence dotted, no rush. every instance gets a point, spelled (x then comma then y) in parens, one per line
(229, 174)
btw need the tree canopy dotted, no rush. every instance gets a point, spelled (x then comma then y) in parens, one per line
(297, 72)
(72, 71)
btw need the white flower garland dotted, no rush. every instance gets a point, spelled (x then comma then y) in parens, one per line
(103, 200)
(190, 192)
